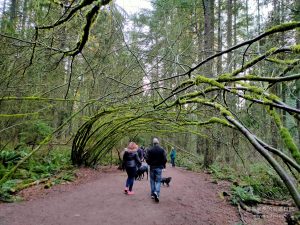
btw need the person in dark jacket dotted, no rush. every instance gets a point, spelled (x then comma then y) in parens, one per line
(131, 162)
(140, 154)
(156, 159)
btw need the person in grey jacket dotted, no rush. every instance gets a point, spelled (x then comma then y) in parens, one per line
(156, 158)
(131, 162)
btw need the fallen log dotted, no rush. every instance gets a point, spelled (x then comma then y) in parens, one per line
(27, 185)
(249, 209)
(276, 203)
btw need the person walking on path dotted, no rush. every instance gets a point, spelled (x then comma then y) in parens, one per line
(140, 154)
(173, 156)
(131, 162)
(156, 159)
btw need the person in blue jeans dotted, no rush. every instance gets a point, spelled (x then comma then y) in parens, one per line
(131, 162)
(156, 158)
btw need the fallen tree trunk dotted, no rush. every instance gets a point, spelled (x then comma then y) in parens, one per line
(249, 209)
(27, 185)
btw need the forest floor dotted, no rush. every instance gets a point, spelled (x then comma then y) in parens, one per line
(96, 198)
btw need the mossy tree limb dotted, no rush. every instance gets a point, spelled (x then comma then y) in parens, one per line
(276, 29)
(277, 167)
(254, 141)
(286, 136)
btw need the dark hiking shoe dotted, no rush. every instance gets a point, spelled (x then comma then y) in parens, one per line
(156, 197)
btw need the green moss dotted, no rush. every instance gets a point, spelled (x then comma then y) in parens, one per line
(251, 77)
(201, 79)
(283, 27)
(290, 144)
(283, 62)
(225, 76)
(220, 121)
(286, 136)
(271, 51)
(234, 91)
(192, 94)
(251, 88)
(276, 117)
(268, 98)
(18, 115)
(295, 49)
(248, 65)
(185, 83)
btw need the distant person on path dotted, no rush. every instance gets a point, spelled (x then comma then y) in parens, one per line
(156, 159)
(131, 162)
(140, 154)
(173, 156)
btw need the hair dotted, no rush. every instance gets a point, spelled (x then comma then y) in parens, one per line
(132, 146)
(155, 141)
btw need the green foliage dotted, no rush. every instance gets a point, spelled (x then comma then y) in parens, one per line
(262, 180)
(40, 166)
(138, 139)
(265, 182)
(35, 131)
(5, 191)
(187, 161)
(109, 159)
(223, 173)
(245, 194)
(8, 157)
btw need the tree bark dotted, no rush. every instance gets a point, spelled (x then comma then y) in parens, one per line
(209, 22)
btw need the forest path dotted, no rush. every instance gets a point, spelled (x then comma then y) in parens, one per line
(191, 199)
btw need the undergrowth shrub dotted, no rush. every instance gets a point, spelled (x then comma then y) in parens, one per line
(42, 165)
(223, 172)
(34, 131)
(245, 194)
(187, 161)
(109, 159)
(265, 182)
(259, 178)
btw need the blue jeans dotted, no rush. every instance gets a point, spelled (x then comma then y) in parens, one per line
(155, 178)
(131, 174)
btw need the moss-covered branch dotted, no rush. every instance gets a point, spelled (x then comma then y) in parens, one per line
(76, 9)
(272, 51)
(90, 19)
(286, 136)
(35, 98)
(276, 29)
(277, 167)
(258, 78)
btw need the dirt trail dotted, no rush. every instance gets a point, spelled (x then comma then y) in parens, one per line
(191, 199)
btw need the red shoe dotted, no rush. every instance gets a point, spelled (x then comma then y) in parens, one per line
(126, 190)
(130, 193)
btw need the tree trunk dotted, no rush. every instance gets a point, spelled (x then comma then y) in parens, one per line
(209, 22)
(297, 4)
(219, 60)
(228, 155)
